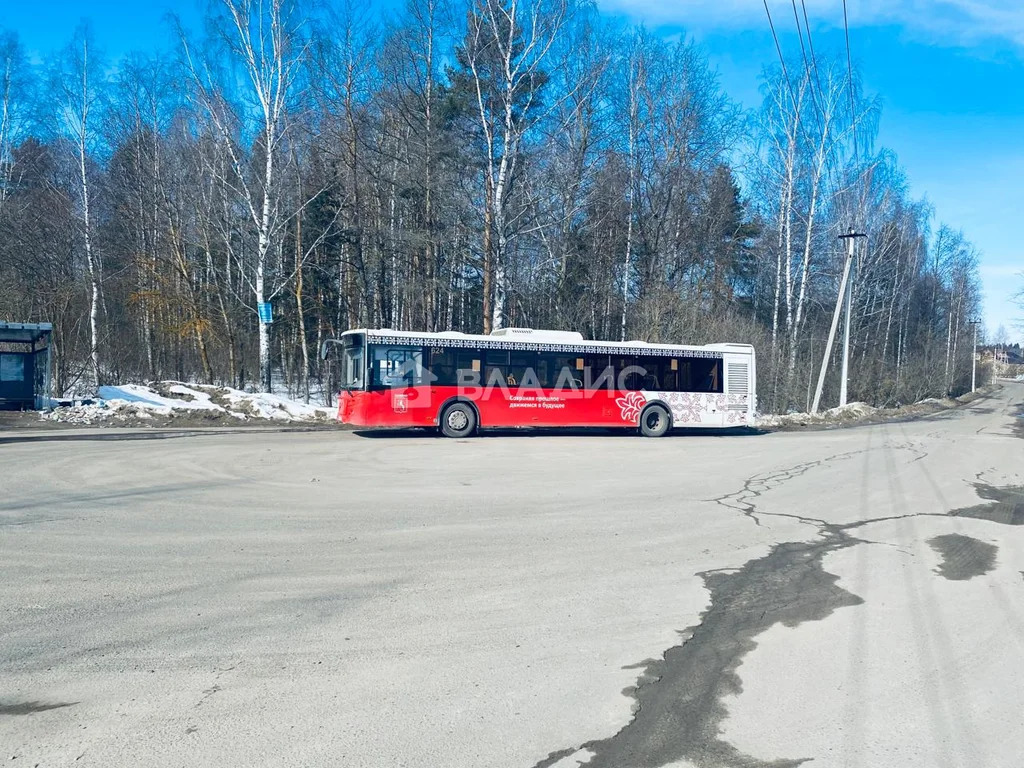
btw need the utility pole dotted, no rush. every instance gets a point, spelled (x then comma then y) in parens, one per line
(848, 300)
(974, 356)
(845, 298)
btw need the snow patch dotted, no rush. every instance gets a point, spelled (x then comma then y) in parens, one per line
(264, 405)
(857, 412)
(841, 415)
(174, 400)
(849, 412)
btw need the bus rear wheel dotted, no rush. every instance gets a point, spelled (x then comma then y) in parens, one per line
(656, 421)
(457, 420)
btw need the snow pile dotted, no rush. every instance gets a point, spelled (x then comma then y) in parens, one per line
(98, 411)
(175, 402)
(774, 420)
(848, 413)
(164, 401)
(264, 405)
(853, 413)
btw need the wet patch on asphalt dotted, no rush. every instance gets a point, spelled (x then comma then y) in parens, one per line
(963, 557)
(31, 707)
(1006, 505)
(680, 697)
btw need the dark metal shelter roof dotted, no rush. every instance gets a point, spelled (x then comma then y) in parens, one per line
(24, 333)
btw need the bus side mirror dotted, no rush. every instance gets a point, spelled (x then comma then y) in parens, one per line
(323, 350)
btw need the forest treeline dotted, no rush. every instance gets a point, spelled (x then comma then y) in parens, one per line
(459, 166)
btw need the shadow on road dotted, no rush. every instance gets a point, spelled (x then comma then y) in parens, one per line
(72, 435)
(560, 432)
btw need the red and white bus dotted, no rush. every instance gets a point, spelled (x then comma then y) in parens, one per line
(519, 377)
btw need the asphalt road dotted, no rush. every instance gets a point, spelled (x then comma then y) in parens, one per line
(851, 597)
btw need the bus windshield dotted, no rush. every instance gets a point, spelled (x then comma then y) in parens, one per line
(353, 361)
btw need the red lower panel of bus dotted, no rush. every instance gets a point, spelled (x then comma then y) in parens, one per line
(421, 407)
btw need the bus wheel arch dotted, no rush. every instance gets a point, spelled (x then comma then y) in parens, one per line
(458, 417)
(655, 419)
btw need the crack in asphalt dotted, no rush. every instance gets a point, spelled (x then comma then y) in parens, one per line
(679, 698)
(742, 500)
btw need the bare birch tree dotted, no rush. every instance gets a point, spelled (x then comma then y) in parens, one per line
(78, 84)
(503, 56)
(13, 102)
(265, 40)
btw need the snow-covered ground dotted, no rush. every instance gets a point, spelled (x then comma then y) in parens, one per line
(170, 400)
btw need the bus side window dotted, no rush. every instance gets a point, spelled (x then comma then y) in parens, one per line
(442, 365)
(558, 371)
(543, 368)
(652, 375)
(670, 375)
(629, 372)
(686, 375)
(715, 377)
(495, 366)
(518, 366)
(706, 375)
(468, 365)
(596, 373)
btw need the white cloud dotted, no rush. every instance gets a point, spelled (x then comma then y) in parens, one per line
(946, 22)
(1003, 270)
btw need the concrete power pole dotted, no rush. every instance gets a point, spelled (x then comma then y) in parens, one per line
(974, 357)
(845, 298)
(848, 299)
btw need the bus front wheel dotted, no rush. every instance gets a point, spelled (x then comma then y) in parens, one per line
(656, 421)
(457, 420)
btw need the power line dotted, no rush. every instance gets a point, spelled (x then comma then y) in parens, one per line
(814, 83)
(849, 69)
(800, 35)
(803, 57)
(782, 61)
(810, 44)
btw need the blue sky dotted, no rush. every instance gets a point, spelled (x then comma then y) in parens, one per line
(950, 74)
(119, 25)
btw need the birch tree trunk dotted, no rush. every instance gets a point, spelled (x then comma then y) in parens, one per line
(79, 97)
(634, 107)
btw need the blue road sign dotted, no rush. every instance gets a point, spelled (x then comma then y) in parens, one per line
(266, 313)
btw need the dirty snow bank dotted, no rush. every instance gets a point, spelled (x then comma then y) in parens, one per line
(162, 402)
(853, 413)
(842, 415)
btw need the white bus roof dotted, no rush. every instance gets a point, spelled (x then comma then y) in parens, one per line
(545, 340)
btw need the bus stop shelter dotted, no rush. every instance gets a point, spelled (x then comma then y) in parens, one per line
(25, 365)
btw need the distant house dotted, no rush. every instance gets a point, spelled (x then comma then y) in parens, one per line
(1007, 359)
